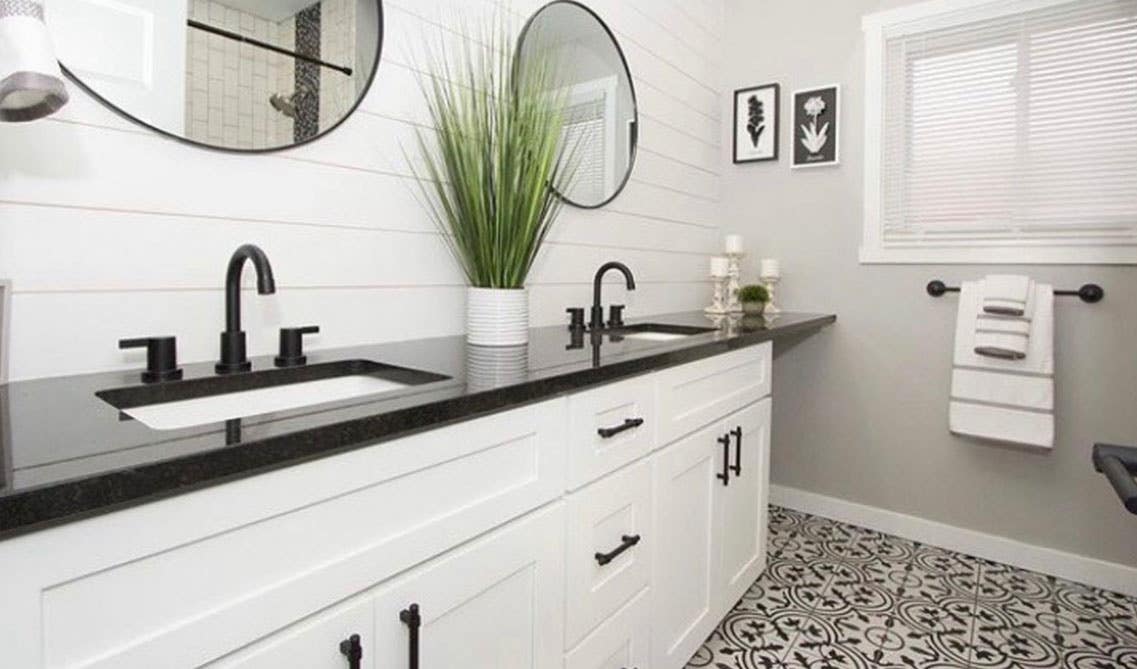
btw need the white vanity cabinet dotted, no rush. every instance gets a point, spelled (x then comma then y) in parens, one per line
(593, 531)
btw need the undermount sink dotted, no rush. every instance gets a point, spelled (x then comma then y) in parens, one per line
(657, 331)
(182, 404)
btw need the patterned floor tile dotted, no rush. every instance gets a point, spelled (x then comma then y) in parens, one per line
(837, 596)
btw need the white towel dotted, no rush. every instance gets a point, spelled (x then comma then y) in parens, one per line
(1004, 400)
(1006, 294)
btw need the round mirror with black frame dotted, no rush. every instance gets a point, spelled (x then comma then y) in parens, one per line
(601, 117)
(237, 75)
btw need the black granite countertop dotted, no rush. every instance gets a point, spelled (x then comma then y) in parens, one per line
(66, 454)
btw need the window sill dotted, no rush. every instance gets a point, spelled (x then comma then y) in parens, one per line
(993, 255)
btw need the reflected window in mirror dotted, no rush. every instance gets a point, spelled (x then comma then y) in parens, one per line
(241, 75)
(601, 118)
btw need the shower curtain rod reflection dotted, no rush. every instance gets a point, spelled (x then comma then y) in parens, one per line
(265, 45)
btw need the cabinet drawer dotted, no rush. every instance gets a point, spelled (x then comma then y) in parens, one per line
(609, 427)
(380, 511)
(313, 643)
(620, 643)
(609, 548)
(693, 395)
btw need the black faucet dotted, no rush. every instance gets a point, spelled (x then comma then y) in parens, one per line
(597, 320)
(233, 358)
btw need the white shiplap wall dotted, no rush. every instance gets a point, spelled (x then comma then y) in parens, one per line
(109, 231)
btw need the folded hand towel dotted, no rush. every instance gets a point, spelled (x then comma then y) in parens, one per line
(1006, 294)
(1009, 400)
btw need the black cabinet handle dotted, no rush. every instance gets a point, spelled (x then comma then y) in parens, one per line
(411, 618)
(609, 432)
(725, 475)
(626, 542)
(737, 466)
(352, 649)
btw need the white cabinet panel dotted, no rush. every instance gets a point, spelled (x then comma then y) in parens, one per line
(622, 642)
(700, 392)
(605, 517)
(496, 603)
(208, 596)
(314, 643)
(609, 427)
(743, 501)
(684, 573)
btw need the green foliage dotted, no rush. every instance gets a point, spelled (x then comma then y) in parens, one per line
(495, 150)
(753, 293)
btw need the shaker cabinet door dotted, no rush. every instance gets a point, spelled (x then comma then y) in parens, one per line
(743, 502)
(684, 562)
(496, 603)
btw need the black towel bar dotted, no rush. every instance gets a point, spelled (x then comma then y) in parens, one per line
(1091, 292)
(1119, 464)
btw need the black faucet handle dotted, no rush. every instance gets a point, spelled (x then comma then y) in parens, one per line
(576, 318)
(292, 346)
(161, 357)
(616, 316)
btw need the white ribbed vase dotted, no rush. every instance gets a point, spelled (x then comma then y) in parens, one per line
(497, 316)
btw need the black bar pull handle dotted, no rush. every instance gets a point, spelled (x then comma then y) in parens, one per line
(626, 542)
(609, 432)
(725, 475)
(737, 466)
(352, 649)
(413, 620)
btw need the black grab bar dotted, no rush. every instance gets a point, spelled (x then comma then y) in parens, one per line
(1119, 464)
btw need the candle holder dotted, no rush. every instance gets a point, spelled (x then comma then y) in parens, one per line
(718, 305)
(771, 282)
(733, 283)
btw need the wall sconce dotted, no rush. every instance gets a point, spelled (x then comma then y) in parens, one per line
(31, 84)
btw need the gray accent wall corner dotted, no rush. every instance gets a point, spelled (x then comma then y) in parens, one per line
(860, 411)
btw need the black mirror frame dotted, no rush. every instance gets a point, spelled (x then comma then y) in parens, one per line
(226, 149)
(631, 86)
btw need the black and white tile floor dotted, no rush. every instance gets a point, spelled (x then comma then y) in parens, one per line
(837, 596)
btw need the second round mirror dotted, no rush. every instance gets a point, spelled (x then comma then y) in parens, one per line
(601, 119)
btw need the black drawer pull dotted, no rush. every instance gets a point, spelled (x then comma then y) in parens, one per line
(352, 649)
(626, 542)
(737, 466)
(725, 475)
(411, 618)
(609, 432)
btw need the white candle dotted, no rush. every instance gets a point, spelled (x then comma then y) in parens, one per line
(734, 244)
(771, 268)
(720, 267)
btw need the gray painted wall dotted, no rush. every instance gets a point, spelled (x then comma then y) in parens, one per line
(861, 409)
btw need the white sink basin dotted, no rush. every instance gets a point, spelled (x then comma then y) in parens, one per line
(242, 404)
(656, 336)
(209, 400)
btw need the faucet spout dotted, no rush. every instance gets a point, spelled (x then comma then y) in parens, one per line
(233, 357)
(266, 284)
(597, 320)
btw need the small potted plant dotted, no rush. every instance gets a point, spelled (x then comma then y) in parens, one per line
(753, 298)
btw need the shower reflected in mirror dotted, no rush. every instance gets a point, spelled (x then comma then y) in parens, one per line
(240, 75)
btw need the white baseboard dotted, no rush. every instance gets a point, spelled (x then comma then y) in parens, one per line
(1091, 571)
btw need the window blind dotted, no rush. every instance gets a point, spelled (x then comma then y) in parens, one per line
(584, 134)
(1020, 129)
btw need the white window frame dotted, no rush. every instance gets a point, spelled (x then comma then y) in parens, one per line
(923, 17)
